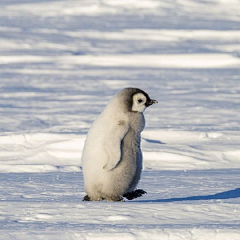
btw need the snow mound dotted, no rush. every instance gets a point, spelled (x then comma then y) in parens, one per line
(162, 150)
(40, 152)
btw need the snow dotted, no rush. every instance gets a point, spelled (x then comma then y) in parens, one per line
(61, 62)
(136, 61)
(186, 205)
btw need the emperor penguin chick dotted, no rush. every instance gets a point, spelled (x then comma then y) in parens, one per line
(112, 156)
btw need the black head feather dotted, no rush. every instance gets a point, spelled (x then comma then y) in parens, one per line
(128, 93)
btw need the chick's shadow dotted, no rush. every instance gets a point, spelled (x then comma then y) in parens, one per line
(235, 193)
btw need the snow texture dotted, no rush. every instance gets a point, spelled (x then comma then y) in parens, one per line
(60, 64)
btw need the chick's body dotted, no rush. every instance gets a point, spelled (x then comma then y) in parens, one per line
(112, 157)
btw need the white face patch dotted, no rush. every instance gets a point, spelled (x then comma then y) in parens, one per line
(139, 101)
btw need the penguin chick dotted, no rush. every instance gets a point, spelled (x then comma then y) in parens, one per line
(112, 156)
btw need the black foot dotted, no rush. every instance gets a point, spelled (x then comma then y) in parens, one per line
(86, 198)
(135, 194)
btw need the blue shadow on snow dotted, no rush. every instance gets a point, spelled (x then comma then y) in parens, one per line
(153, 141)
(218, 196)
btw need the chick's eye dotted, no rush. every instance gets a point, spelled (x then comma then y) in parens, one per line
(140, 100)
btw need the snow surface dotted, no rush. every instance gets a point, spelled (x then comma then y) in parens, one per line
(61, 62)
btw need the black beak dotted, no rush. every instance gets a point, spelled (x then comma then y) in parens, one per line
(151, 102)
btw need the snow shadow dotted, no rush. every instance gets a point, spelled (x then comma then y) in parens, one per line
(218, 196)
(153, 141)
